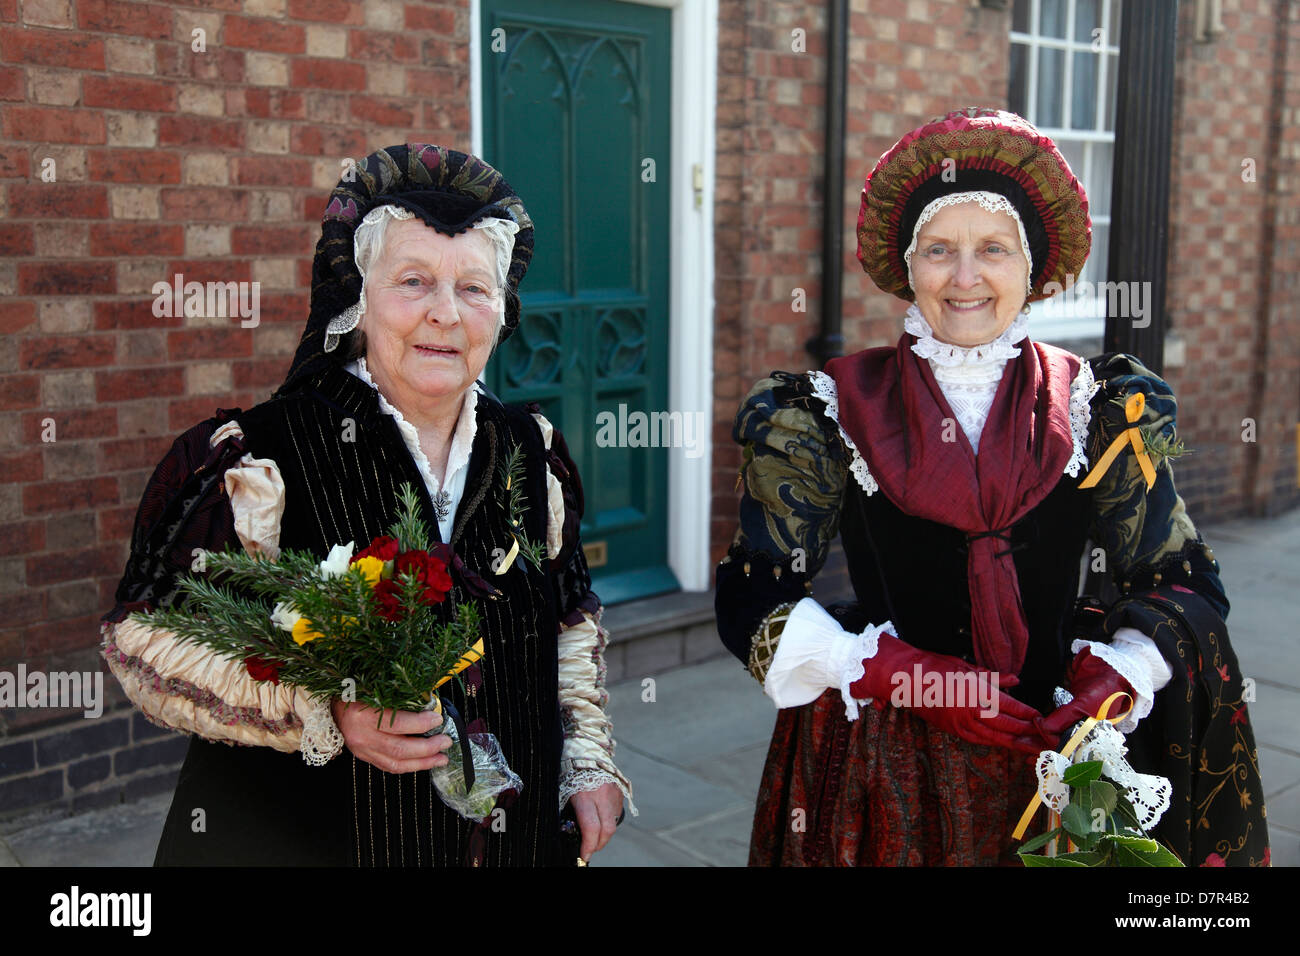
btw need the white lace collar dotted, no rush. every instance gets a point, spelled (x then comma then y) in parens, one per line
(462, 439)
(944, 355)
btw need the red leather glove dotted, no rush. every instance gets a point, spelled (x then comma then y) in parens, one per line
(983, 715)
(1091, 680)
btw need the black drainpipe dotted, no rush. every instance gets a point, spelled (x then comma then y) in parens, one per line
(829, 341)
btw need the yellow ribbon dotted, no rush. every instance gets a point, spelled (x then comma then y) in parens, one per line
(470, 656)
(1071, 746)
(1133, 409)
(508, 562)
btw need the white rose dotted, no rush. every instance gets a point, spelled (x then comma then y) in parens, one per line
(285, 616)
(336, 565)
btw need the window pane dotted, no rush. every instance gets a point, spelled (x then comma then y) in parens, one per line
(1051, 19)
(1018, 97)
(1051, 76)
(1072, 150)
(1083, 96)
(1108, 111)
(1020, 16)
(1098, 186)
(1087, 17)
(1095, 271)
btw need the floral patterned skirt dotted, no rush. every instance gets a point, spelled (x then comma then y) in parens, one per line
(885, 790)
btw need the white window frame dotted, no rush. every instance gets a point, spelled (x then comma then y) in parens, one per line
(1066, 316)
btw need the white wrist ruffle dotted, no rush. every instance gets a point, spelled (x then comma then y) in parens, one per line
(1135, 657)
(816, 653)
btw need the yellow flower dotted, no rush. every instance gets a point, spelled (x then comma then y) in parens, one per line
(302, 631)
(371, 567)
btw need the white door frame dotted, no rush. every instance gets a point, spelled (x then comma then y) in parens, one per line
(690, 301)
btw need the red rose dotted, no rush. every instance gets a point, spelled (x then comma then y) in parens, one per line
(428, 570)
(384, 548)
(388, 597)
(260, 668)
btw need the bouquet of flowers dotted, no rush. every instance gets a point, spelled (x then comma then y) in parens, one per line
(1100, 806)
(365, 626)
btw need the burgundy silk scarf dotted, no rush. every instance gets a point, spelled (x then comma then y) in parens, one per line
(893, 409)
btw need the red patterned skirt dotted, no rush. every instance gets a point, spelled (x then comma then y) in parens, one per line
(885, 790)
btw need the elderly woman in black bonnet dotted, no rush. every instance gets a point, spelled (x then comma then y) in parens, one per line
(414, 284)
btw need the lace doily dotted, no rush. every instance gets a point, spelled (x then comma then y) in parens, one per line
(824, 388)
(993, 202)
(1149, 794)
(322, 740)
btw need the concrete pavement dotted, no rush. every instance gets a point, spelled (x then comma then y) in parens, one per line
(694, 741)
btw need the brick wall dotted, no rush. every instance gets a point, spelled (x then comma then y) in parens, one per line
(1234, 259)
(213, 163)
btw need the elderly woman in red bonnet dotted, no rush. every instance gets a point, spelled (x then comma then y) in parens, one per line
(965, 471)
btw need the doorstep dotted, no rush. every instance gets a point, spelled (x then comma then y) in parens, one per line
(658, 633)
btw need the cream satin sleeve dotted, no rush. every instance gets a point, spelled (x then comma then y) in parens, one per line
(587, 759)
(185, 687)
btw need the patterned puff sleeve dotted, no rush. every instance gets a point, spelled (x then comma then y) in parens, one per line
(587, 760)
(1198, 733)
(792, 478)
(206, 494)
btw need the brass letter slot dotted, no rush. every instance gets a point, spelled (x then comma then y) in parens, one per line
(597, 553)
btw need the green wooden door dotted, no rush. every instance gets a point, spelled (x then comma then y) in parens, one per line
(576, 98)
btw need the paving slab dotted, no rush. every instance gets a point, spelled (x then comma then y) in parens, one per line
(124, 835)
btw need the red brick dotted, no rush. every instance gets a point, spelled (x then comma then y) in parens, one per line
(67, 351)
(289, 307)
(373, 45)
(440, 20)
(127, 453)
(209, 270)
(23, 466)
(382, 111)
(137, 19)
(16, 239)
(260, 373)
(79, 495)
(145, 166)
(207, 204)
(279, 104)
(51, 48)
(121, 92)
(19, 391)
(250, 171)
(57, 201)
(66, 278)
(72, 565)
(136, 239)
(58, 637)
(184, 413)
(16, 315)
(48, 124)
(326, 11)
(271, 240)
(71, 425)
(14, 162)
(12, 84)
(17, 610)
(327, 75)
(229, 342)
(134, 383)
(116, 524)
(260, 34)
(200, 131)
(121, 314)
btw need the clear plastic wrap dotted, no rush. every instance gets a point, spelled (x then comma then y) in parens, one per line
(492, 775)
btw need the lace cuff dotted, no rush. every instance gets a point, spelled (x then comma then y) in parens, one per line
(823, 387)
(579, 774)
(1135, 657)
(816, 653)
(588, 731)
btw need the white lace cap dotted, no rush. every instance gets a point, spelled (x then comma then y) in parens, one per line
(1149, 794)
(367, 245)
(993, 202)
